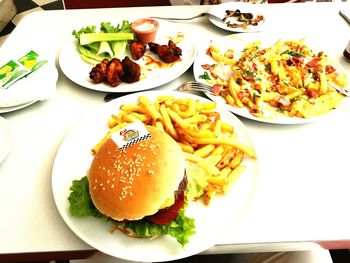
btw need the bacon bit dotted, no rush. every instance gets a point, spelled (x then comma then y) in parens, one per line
(243, 94)
(208, 51)
(255, 67)
(312, 63)
(206, 66)
(217, 88)
(312, 93)
(330, 69)
(297, 61)
(262, 51)
(248, 77)
(254, 111)
(274, 79)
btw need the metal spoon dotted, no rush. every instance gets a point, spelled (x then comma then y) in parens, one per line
(190, 18)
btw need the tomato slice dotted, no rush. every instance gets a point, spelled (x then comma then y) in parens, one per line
(166, 215)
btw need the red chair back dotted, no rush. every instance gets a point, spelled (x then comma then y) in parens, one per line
(83, 4)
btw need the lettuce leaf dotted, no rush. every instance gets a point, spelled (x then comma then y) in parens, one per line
(197, 181)
(182, 228)
(81, 205)
(80, 201)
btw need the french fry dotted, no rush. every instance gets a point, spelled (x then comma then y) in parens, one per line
(225, 127)
(129, 118)
(209, 143)
(159, 125)
(191, 130)
(186, 147)
(196, 119)
(218, 150)
(205, 150)
(193, 158)
(236, 144)
(237, 159)
(150, 108)
(169, 127)
(141, 117)
(221, 58)
(232, 86)
(97, 147)
(232, 178)
(132, 108)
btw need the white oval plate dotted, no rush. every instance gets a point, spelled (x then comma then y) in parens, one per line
(78, 70)
(74, 158)
(5, 138)
(220, 11)
(238, 42)
(18, 107)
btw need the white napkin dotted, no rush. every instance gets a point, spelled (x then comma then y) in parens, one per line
(39, 85)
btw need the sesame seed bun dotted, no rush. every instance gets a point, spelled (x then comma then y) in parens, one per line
(133, 183)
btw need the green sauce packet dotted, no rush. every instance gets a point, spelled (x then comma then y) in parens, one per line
(32, 61)
(15, 70)
(11, 72)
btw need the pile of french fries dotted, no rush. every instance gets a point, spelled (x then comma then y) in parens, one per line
(207, 142)
(288, 76)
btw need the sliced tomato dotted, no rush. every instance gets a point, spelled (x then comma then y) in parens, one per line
(166, 215)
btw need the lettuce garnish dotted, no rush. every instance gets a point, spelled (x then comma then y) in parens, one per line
(81, 205)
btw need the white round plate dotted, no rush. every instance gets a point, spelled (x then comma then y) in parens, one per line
(220, 11)
(78, 70)
(17, 107)
(74, 158)
(238, 42)
(5, 138)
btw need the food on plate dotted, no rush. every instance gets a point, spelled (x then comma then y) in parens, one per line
(167, 53)
(236, 19)
(138, 185)
(147, 176)
(145, 29)
(143, 181)
(115, 71)
(137, 49)
(110, 42)
(212, 148)
(286, 78)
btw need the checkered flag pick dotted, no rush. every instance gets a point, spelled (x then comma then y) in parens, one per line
(137, 140)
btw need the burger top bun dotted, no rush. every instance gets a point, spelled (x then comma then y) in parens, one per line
(133, 183)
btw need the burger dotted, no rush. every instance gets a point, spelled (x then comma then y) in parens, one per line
(141, 188)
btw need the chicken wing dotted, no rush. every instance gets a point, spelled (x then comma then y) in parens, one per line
(137, 49)
(98, 73)
(131, 71)
(114, 69)
(168, 53)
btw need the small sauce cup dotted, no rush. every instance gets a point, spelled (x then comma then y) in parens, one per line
(145, 29)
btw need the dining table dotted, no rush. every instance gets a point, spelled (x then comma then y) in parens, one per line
(301, 197)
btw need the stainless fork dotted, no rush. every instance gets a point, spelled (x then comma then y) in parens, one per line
(190, 18)
(197, 86)
(340, 89)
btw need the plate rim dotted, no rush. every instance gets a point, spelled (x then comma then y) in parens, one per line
(16, 107)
